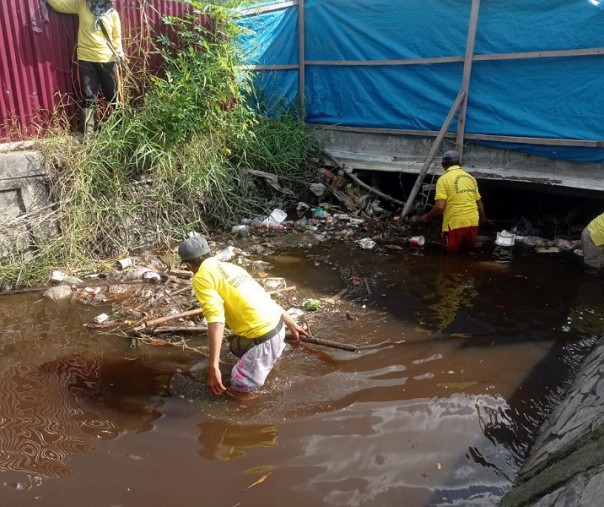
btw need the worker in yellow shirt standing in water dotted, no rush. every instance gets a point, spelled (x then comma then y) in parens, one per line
(230, 296)
(592, 241)
(99, 50)
(458, 198)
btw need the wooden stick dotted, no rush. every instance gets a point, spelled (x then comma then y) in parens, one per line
(177, 329)
(432, 153)
(326, 343)
(285, 289)
(467, 72)
(348, 172)
(161, 320)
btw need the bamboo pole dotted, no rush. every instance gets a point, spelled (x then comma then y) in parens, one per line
(467, 73)
(432, 153)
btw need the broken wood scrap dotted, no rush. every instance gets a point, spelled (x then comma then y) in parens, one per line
(150, 340)
(273, 181)
(160, 320)
(379, 193)
(284, 289)
(184, 274)
(348, 172)
(337, 297)
(177, 329)
(344, 198)
(259, 481)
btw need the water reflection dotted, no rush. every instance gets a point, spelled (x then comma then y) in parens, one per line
(454, 288)
(587, 315)
(400, 458)
(224, 441)
(53, 411)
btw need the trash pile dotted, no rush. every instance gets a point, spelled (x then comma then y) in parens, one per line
(148, 301)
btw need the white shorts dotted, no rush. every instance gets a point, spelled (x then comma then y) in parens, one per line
(253, 367)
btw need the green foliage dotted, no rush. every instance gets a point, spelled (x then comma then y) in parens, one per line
(170, 161)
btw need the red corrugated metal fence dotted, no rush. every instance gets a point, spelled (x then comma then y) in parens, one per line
(37, 53)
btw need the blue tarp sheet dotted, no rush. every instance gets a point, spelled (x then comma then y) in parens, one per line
(558, 98)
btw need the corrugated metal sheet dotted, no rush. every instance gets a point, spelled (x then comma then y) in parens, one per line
(37, 53)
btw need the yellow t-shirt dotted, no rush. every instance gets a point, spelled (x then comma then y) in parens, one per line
(228, 294)
(596, 230)
(460, 192)
(92, 44)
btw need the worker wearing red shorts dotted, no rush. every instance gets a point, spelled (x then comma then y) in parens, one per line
(458, 199)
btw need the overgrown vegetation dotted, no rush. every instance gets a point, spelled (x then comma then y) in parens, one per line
(174, 160)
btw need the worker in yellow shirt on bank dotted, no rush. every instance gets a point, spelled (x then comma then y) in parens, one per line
(592, 241)
(458, 198)
(99, 49)
(230, 296)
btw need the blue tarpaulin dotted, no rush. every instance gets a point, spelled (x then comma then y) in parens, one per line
(555, 98)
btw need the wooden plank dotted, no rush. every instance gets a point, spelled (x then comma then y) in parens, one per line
(383, 63)
(528, 55)
(545, 141)
(564, 53)
(467, 73)
(245, 13)
(293, 66)
(301, 59)
(435, 146)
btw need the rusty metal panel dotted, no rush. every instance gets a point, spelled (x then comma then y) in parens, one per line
(37, 52)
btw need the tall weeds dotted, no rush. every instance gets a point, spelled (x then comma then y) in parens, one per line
(170, 161)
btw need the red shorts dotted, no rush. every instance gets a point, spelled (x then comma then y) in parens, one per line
(463, 238)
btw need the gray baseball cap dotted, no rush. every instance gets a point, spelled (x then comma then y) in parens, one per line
(451, 157)
(193, 248)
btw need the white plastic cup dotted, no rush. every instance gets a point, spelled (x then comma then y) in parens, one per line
(417, 241)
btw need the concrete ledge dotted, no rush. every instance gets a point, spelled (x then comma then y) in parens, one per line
(396, 153)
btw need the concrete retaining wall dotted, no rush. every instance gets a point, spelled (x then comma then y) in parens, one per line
(566, 465)
(23, 193)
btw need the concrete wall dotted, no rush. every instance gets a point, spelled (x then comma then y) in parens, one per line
(23, 194)
(566, 465)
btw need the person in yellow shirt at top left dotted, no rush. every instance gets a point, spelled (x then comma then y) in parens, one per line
(99, 51)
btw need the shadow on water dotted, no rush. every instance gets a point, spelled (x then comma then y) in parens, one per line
(479, 347)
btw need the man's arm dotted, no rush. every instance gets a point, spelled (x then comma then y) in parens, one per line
(437, 209)
(65, 6)
(215, 335)
(482, 217)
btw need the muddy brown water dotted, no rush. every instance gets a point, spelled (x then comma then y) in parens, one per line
(479, 349)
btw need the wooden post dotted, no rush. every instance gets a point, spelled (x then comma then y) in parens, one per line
(435, 145)
(301, 60)
(467, 72)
